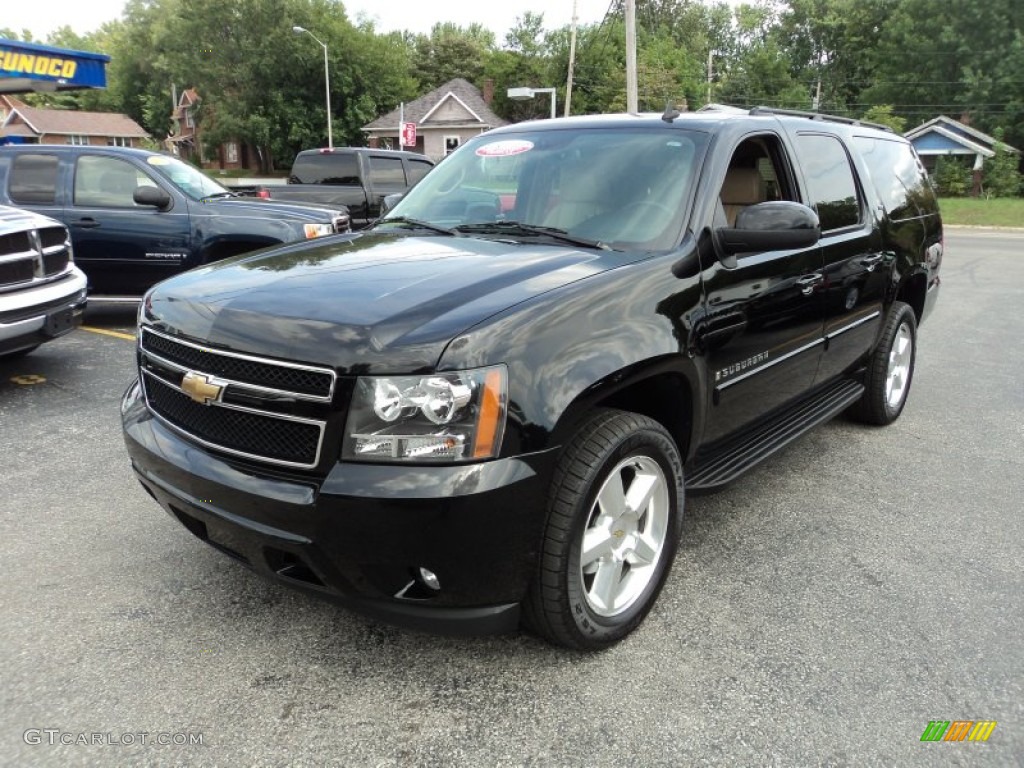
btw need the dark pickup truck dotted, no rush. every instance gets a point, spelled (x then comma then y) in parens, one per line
(358, 178)
(137, 217)
(489, 406)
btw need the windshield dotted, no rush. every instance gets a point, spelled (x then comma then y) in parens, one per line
(189, 180)
(619, 188)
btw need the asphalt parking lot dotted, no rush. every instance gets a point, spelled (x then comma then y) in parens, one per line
(822, 610)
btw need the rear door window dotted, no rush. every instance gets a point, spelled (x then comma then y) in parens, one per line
(325, 168)
(830, 179)
(386, 171)
(33, 179)
(417, 170)
(898, 176)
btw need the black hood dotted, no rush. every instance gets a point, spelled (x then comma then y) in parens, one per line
(362, 303)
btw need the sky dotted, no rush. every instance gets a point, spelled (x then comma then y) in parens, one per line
(43, 16)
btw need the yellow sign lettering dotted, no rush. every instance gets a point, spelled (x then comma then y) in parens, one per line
(30, 64)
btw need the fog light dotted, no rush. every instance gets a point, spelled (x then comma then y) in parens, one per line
(429, 579)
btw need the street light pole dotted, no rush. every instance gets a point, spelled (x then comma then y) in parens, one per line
(327, 82)
(520, 94)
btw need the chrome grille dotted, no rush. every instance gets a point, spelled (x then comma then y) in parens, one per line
(304, 381)
(342, 223)
(34, 255)
(53, 237)
(56, 262)
(14, 271)
(258, 413)
(239, 431)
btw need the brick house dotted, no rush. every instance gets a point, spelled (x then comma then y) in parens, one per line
(22, 124)
(186, 140)
(444, 118)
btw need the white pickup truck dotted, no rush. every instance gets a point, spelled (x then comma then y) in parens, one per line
(42, 292)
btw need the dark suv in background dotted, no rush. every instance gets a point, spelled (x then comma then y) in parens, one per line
(137, 217)
(488, 406)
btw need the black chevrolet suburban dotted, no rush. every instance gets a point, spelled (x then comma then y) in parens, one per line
(488, 407)
(137, 217)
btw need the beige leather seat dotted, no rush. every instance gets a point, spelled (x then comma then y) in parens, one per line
(566, 214)
(742, 187)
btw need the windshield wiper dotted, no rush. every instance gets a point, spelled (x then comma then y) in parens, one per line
(418, 224)
(530, 230)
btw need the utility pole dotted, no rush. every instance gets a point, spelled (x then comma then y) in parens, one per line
(572, 58)
(817, 97)
(631, 87)
(710, 65)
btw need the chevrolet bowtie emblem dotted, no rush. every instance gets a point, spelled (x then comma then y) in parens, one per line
(202, 388)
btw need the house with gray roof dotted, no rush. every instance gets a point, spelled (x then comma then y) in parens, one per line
(945, 136)
(444, 118)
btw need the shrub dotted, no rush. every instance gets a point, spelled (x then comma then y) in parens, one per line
(952, 177)
(1002, 179)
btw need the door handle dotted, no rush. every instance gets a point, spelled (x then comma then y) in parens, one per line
(808, 283)
(86, 223)
(870, 262)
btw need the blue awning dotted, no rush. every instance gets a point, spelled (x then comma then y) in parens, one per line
(27, 67)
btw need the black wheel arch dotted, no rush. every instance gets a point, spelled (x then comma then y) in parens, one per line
(664, 389)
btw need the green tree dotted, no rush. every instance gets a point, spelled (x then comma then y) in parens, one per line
(263, 84)
(952, 57)
(1001, 176)
(451, 51)
(882, 114)
(756, 70)
(829, 44)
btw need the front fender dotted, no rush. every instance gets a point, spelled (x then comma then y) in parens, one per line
(578, 346)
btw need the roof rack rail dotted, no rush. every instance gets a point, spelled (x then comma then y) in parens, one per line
(818, 116)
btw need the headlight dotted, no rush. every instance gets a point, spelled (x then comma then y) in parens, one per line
(441, 417)
(318, 230)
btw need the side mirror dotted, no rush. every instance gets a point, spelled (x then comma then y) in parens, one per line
(778, 225)
(389, 202)
(154, 196)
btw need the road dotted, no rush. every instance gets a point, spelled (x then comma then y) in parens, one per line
(822, 611)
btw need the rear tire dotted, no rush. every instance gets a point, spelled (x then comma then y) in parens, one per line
(614, 518)
(890, 369)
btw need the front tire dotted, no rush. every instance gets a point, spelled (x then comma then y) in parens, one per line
(614, 517)
(890, 369)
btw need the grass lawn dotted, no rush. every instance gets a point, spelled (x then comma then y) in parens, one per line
(998, 212)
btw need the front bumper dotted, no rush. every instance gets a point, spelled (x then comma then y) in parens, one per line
(39, 314)
(361, 534)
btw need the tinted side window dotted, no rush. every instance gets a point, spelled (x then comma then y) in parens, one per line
(900, 179)
(325, 169)
(417, 170)
(387, 171)
(830, 178)
(33, 179)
